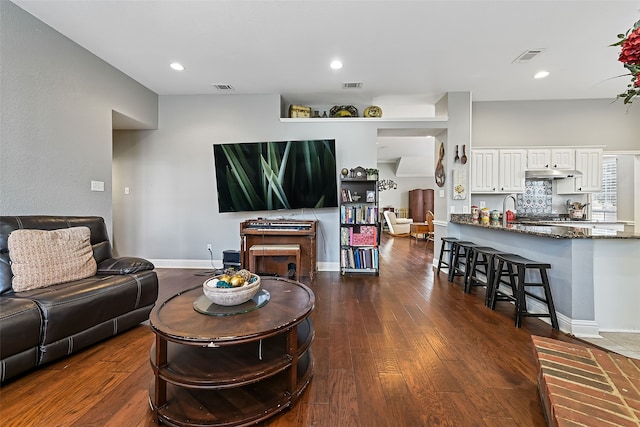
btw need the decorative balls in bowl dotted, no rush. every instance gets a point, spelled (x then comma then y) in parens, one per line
(233, 289)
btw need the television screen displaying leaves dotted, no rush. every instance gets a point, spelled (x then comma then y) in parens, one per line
(256, 176)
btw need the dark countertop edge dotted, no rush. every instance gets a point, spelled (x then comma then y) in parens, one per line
(550, 231)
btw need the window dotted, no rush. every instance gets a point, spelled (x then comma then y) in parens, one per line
(604, 204)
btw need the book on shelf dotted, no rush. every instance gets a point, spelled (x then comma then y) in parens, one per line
(358, 214)
(359, 258)
(346, 195)
(364, 235)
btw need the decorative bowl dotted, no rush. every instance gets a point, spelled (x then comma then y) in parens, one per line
(230, 296)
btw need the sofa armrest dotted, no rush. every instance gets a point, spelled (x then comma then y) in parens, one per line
(124, 265)
(404, 220)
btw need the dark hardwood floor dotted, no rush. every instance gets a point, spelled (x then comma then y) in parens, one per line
(402, 349)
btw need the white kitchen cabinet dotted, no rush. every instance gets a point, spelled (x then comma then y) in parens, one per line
(554, 158)
(498, 171)
(484, 171)
(538, 158)
(511, 173)
(563, 158)
(589, 162)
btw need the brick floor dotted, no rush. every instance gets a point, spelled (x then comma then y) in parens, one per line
(584, 386)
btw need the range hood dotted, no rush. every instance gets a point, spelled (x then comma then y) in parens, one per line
(552, 173)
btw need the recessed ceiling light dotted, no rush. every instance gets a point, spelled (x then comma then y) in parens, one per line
(541, 75)
(336, 64)
(177, 66)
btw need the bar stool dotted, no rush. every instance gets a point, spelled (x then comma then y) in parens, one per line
(447, 242)
(460, 256)
(519, 286)
(482, 261)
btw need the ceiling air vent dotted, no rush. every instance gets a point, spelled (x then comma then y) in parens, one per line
(353, 85)
(223, 87)
(527, 56)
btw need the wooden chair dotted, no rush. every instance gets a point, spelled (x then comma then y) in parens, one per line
(429, 220)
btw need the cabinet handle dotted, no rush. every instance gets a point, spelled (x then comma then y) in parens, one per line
(546, 166)
(555, 166)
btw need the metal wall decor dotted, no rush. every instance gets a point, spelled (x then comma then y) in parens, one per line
(387, 184)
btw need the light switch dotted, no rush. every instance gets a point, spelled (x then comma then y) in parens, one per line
(452, 209)
(441, 193)
(126, 190)
(97, 185)
(465, 209)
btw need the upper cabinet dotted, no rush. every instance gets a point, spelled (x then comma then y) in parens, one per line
(589, 162)
(484, 171)
(512, 167)
(545, 158)
(498, 171)
(563, 158)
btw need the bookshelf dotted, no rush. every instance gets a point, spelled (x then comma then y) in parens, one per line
(359, 227)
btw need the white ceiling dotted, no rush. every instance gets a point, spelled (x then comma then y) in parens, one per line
(404, 52)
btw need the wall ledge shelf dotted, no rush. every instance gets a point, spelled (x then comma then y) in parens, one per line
(432, 120)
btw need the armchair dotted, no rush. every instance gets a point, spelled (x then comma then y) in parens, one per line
(397, 226)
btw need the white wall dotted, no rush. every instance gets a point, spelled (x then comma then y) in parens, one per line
(399, 198)
(626, 185)
(57, 102)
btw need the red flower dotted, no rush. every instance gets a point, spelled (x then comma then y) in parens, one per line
(630, 53)
(630, 58)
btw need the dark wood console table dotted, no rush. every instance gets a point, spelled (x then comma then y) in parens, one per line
(281, 232)
(231, 370)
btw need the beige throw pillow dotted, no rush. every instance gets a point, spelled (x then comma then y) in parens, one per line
(41, 258)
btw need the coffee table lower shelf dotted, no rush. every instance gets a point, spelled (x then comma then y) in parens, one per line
(240, 406)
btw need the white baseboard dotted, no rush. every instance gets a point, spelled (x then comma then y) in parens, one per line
(328, 266)
(187, 263)
(206, 264)
(579, 328)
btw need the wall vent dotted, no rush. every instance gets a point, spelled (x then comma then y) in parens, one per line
(223, 87)
(527, 56)
(352, 85)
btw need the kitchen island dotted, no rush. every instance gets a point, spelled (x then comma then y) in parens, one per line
(594, 283)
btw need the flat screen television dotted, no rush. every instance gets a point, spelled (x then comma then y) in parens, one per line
(273, 175)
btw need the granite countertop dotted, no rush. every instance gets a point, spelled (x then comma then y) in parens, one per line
(546, 230)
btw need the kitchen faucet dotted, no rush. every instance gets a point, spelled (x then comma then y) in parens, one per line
(504, 208)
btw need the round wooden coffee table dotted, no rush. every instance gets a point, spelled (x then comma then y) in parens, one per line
(231, 369)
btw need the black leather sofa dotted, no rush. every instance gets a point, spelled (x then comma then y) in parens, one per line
(42, 325)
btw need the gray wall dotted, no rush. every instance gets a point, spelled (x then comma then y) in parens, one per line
(595, 122)
(171, 212)
(562, 123)
(57, 102)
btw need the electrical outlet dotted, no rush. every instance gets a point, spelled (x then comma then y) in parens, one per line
(209, 247)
